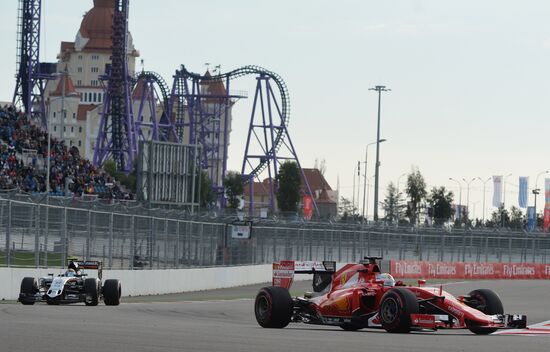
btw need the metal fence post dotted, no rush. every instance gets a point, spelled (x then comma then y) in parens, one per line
(133, 251)
(8, 236)
(110, 249)
(89, 236)
(37, 236)
(65, 239)
(165, 243)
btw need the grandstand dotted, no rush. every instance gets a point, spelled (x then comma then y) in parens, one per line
(23, 163)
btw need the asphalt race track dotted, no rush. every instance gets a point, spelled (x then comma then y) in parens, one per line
(207, 321)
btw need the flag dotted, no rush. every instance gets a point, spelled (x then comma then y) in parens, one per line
(531, 220)
(546, 204)
(308, 207)
(497, 191)
(523, 187)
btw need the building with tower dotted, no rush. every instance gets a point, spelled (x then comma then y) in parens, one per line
(74, 100)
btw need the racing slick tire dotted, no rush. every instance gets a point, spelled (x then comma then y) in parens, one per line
(273, 307)
(29, 287)
(396, 308)
(488, 302)
(91, 289)
(111, 292)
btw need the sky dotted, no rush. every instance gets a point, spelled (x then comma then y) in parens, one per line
(469, 80)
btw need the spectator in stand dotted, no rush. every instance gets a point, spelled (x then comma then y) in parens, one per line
(69, 172)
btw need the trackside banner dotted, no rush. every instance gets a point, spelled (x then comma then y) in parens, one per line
(405, 269)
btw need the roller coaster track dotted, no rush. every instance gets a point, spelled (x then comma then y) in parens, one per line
(161, 83)
(285, 104)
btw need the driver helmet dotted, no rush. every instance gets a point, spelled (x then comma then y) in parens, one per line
(388, 280)
(74, 267)
(70, 273)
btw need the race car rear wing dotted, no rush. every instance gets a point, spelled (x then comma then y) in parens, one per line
(283, 271)
(91, 265)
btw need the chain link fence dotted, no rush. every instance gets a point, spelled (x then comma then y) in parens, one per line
(34, 234)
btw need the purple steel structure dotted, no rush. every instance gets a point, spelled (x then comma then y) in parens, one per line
(116, 137)
(201, 106)
(145, 92)
(31, 74)
(201, 113)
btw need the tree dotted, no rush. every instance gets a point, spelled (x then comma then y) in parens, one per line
(127, 180)
(288, 186)
(391, 203)
(516, 218)
(416, 190)
(234, 188)
(207, 196)
(441, 201)
(346, 209)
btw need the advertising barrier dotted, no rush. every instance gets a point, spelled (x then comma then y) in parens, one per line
(407, 269)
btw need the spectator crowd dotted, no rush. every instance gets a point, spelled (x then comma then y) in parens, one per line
(70, 174)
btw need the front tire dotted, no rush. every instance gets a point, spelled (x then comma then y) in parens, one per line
(29, 287)
(396, 308)
(112, 292)
(273, 307)
(91, 289)
(488, 302)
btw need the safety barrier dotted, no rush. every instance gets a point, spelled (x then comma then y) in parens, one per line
(404, 269)
(152, 282)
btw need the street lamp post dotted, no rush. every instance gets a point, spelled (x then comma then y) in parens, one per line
(379, 89)
(536, 191)
(357, 168)
(468, 195)
(459, 198)
(365, 174)
(484, 183)
(368, 191)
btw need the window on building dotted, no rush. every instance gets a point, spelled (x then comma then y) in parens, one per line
(99, 97)
(95, 97)
(54, 115)
(72, 129)
(95, 69)
(79, 143)
(54, 128)
(95, 57)
(74, 116)
(71, 144)
(79, 69)
(80, 129)
(79, 82)
(64, 115)
(64, 128)
(80, 57)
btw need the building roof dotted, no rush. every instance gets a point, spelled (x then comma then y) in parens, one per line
(259, 188)
(316, 180)
(214, 87)
(83, 109)
(68, 86)
(97, 25)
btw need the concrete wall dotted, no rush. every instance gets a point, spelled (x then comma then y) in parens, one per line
(149, 282)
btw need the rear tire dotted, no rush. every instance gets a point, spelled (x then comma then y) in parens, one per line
(488, 302)
(112, 292)
(273, 307)
(29, 287)
(396, 308)
(91, 289)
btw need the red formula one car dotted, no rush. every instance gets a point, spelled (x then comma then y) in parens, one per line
(360, 296)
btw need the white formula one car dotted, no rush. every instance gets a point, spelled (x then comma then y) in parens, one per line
(73, 286)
